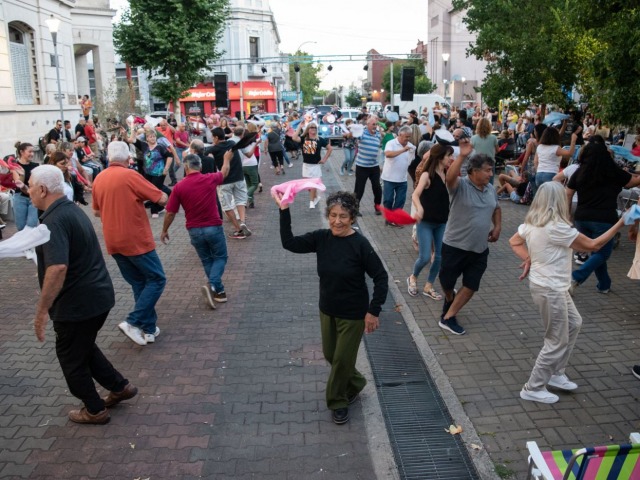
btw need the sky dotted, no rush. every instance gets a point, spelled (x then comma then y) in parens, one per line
(345, 27)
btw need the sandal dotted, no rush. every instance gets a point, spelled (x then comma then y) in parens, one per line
(431, 293)
(411, 287)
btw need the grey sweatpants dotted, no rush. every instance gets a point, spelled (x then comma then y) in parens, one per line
(561, 322)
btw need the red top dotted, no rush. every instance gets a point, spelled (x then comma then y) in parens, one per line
(197, 195)
(90, 133)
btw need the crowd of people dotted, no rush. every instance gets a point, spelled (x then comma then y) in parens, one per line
(454, 202)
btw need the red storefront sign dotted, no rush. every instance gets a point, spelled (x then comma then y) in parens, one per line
(259, 96)
(250, 91)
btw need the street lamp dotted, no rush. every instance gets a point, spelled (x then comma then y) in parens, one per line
(54, 24)
(297, 70)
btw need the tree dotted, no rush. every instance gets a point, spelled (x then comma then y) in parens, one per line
(163, 38)
(422, 83)
(591, 46)
(309, 80)
(353, 98)
(533, 60)
(610, 80)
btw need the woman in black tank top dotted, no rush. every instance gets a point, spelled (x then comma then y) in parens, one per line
(431, 201)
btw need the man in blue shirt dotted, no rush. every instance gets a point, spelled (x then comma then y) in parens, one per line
(367, 162)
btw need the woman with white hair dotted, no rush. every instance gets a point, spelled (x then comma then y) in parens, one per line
(544, 242)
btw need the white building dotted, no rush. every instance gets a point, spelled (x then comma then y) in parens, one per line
(29, 104)
(449, 35)
(251, 44)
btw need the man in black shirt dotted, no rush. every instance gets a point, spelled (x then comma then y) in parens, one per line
(80, 128)
(69, 261)
(55, 134)
(67, 131)
(233, 191)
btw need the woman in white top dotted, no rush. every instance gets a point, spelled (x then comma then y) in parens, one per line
(544, 243)
(549, 153)
(250, 164)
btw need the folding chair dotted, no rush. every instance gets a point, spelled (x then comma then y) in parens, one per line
(611, 462)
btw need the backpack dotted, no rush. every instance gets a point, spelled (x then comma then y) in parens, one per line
(43, 142)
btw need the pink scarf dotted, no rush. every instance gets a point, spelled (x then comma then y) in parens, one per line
(290, 189)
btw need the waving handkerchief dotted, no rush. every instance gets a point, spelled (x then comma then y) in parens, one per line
(290, 189)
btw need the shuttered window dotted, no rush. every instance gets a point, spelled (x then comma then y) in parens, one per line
(20, 67)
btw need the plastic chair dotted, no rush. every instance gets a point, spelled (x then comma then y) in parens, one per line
(609, 462)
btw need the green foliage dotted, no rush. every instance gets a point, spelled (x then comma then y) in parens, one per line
(539, 51)
(309, 79)
(353, 98)
(422, 83)
(162, 37)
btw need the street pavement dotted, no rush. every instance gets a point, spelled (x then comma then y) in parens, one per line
(239, 392)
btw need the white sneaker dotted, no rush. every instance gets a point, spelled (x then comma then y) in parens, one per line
(316, 201)
(312, 204)
(208, 296)
(151, 337)
(542, 396)
(154, 215)
(134, 333)
(562, 382)
(291, 165)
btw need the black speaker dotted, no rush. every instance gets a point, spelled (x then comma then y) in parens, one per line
(407, 84)
(396, 108)
(222, 90)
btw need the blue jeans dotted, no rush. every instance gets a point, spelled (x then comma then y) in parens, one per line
(211, 247)
(394, 194)
(145, 275)
(543, 177)
(286, 157)
(349, 155)
(429, 234)
(24, 212)
(597, 262)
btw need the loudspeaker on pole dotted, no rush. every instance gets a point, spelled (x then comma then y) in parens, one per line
(222, 90)
(407, 83)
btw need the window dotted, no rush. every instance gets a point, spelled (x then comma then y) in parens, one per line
(23, 68)
(254, 51)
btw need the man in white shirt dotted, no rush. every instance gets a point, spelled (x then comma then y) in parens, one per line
(398, 153)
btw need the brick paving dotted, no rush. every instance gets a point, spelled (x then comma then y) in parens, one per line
(239, 392)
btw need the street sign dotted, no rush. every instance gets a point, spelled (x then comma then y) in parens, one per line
(194, 110)
(58, 97)
(289, 96)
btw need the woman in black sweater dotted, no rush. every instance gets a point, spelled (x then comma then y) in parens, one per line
(343, 258)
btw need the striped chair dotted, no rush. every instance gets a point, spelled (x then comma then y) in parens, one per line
(612, 462)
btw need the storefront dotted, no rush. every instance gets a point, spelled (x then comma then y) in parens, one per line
(256, 97)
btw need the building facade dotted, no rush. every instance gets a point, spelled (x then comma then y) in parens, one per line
(257, 72)
(449, 35)
(29, 102)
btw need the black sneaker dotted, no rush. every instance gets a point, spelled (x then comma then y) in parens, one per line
(219, 297)
(636, 371)
(580, 258)
(340, 416)
(451, 325)
(445, 307)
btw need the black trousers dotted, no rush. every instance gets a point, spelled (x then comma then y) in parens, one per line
(82, 361)
(158, 182)
(368, 173)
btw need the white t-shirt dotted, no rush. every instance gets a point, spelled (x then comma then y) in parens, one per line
(395, 169)
(548, 161)
(250, 161)
(550, 251)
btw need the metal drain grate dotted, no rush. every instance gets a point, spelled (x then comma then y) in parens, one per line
(413, 410)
